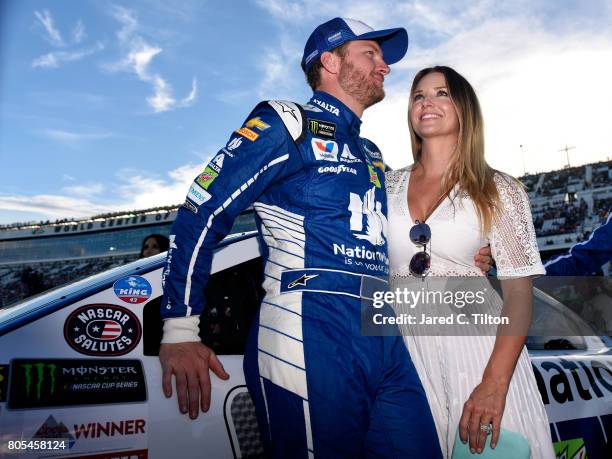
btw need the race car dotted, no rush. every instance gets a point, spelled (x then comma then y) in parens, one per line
(80, 377)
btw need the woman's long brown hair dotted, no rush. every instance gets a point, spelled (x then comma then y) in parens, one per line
(468, 168)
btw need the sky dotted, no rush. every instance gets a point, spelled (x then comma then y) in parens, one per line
(117, 105)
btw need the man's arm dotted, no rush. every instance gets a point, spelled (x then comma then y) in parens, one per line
(585, 258)
(256, 156)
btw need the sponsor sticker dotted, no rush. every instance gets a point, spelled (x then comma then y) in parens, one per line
(207, 177)
(347, 156)
(189, 206)
(124, 427)
(248, 133)
(373, 154)
(198, 194)
(257, 123)
(336, 169)
(322, 129)
(380, 165)
(3, 382)
(39, 383)
(51, 429)
(102, 330)
(374, 176)
(335, 37)
(325, 150)
(329, 107)
(133, 289)
(234, 143)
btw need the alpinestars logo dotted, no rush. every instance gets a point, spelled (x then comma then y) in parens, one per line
(368, 222)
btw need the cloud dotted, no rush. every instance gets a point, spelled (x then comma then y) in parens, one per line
(72, 138)
(140, 55)
(78, 33)
(532, 85)
(55, 58)
(88, 189)
(133, 189)
(53, 206)
(46, 20)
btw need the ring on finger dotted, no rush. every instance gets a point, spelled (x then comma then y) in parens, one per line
(486, 428)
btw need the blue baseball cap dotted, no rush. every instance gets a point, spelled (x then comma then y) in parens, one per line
(331, 34)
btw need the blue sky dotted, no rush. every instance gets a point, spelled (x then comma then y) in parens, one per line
(111, 105)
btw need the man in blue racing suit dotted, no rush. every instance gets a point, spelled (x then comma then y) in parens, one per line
(320, 387)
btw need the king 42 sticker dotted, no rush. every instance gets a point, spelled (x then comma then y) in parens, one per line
(132, 289)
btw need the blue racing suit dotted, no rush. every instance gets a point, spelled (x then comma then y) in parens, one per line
(320, 387)
(587, 257)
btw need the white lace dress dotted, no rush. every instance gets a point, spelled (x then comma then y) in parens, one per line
(451, 366)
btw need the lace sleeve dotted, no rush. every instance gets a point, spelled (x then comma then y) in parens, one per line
(513, 240)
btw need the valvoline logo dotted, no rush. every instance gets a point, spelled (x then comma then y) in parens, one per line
(325, 150)
(133, 289)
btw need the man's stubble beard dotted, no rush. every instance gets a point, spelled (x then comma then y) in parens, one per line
(356, 84)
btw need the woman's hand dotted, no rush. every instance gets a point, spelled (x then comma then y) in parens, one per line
(485, 406)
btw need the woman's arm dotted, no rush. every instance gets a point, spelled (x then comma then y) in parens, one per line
(487, 402)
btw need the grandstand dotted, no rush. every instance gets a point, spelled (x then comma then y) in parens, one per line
(567, 205)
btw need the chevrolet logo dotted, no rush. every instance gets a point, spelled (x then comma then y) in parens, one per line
(302, 280)
(258, 123)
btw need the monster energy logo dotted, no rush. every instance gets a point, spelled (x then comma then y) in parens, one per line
(322, 129)
(39, 375)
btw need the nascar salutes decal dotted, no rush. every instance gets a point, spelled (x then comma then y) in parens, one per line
(102, 330)
(322, 129)
(133, 289)
(325, 150)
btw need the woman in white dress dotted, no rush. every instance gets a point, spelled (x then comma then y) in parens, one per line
(455, 203)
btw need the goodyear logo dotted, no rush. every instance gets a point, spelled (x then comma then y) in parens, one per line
(248, 133)
(257, 123)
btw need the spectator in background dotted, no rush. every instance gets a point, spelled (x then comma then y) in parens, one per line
(153, 244)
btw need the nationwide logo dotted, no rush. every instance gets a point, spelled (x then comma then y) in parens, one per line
(347, 156)
(336, 169)
(257, 123)
(368, 222)
(102, 330)
(73, 382)
(325, 150)
(51, 429)
(110, 428)
(133, 289)
(325, 106)
(322, 129)
(248, 133)
(198, 194)
(207, 177)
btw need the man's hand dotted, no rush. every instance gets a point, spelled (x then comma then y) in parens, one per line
(483, 259)
(190, 363)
